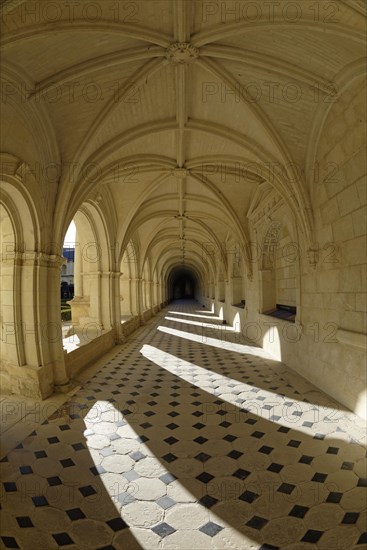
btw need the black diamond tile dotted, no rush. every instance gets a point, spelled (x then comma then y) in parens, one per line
(197, 413)
(53, 481)
(230, 438)
(362, 539)
(137, 455)
(116, 524)
(64, 427)
(319, 478)
(10, 542)
(286, 488)
(97, 470)
(350, 517)
(87, 490)
(24, 521)
(163, 530)
(63, 539)
(75, 514)
(169, 457)
(53, 440)
(258, 435)
(168, 478)
(283, 429)
(332, 450)
(362, 482)
(200, 440)
(199, 426)
(251, 421)
(67, 462)
(166, 502)
(294, 443)
(204, 477)
(146, 425)
(347, 466)
(241, 474)
(40, 454)
(171, 440)
(172, 426)
(107, 451)
(257, 522)
(10, 486)
(125, 498)
(298, 511)
(266, 450)
(334, 497)
(234, 454)
(249, 496)
(225, 424)
(211, 529)
(208, 501)
(202, 457)
(305, 459)
(131, 475)
(78, 446)
(275, 467)
(25, 470)
(312, 536)
(40, 501)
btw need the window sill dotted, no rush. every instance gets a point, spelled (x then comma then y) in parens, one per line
(281, 314)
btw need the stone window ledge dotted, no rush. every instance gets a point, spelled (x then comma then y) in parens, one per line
(355, 339)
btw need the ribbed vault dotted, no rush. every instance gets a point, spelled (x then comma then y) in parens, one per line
(180, 110)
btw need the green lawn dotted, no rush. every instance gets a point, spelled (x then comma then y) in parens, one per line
(65, 310)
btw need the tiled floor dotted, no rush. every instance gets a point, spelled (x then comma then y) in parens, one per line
(189, 438)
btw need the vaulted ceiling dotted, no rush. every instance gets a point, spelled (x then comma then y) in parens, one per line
(176, 109)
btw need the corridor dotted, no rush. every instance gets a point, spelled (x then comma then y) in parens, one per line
(189, 438)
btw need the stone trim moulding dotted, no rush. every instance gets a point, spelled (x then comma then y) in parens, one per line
(32, 258)
(354, 339)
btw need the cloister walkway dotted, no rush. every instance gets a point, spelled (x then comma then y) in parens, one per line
(189, 437)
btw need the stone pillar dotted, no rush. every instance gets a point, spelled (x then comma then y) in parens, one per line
(135, 293)
(115, 304)
(49, 267)
(78, 278)
(40, 366)
(125, 296)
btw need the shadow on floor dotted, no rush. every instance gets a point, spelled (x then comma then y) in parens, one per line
(157, 440)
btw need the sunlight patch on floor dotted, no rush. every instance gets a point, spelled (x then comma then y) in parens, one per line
(214, 317)
(215, 342)
(228, 328)
(273, 407)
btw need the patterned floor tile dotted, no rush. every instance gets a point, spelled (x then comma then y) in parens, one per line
(189, 433)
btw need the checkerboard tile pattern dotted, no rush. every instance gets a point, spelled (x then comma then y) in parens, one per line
(189, 435)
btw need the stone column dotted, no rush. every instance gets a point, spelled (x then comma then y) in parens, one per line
(38, 324)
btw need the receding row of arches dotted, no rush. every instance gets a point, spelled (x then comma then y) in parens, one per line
(115, 289)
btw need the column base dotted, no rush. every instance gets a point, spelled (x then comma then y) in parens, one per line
(35, 382)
